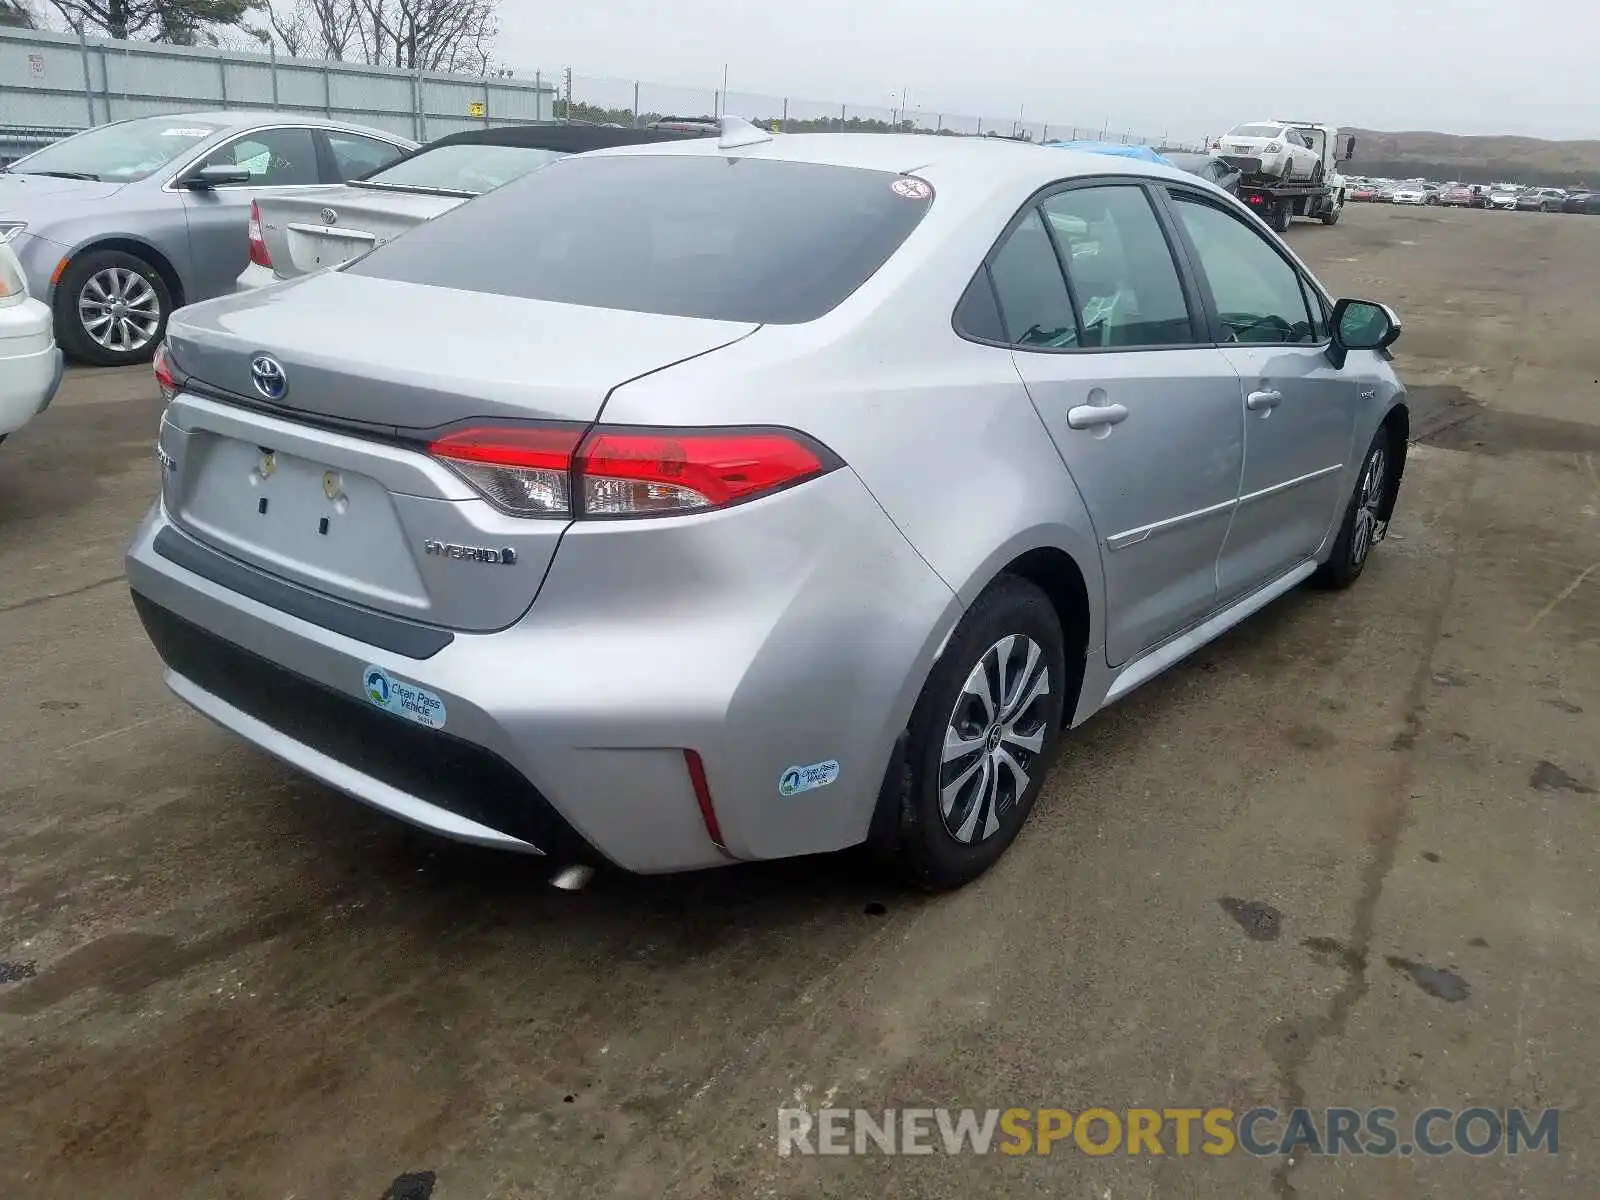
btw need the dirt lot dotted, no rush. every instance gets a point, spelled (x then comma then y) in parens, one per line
(1344, 857)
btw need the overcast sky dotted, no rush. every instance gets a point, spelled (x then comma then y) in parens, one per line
(1144, 66)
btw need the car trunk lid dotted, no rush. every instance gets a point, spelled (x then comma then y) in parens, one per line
(329, 485)
(310, 233)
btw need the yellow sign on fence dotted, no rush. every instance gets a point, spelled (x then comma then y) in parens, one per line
(475, 109)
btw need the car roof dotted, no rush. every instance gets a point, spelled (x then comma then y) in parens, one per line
(567, 139)
(984, 162)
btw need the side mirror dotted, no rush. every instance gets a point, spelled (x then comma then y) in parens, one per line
(1361, 325)
(216, 175)
(1350, 148)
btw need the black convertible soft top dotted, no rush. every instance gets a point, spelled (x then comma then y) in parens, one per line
(568, 139)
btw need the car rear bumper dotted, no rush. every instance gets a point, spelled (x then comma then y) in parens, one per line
(31, 365)
(565, 734)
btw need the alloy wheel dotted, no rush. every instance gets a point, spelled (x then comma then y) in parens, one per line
(119, 309)
(1369, 503)
(994, 737)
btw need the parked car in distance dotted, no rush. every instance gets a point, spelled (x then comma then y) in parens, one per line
(1415, 193)
(120, 224)
(1504, 197)
(1581, 202)
(1364, 193)
(292, 235)
(1465, 195)
(30, 363)
(1543, 199)
(1210, 167)
(629, 551)
(1271, 148)
(700, 125)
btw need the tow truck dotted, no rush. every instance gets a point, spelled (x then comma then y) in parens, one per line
(1280, 202)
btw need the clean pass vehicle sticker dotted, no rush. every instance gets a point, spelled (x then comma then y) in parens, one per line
(803, 779)
(403, 699)
(910, 188)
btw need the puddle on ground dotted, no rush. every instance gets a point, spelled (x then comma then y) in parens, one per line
(1452, 419)
(1260, 922)
(1439, 982)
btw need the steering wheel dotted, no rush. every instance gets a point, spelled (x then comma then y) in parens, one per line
(1240, 324)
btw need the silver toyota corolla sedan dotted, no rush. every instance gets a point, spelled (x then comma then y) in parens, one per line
(783, 494)
(120, 224)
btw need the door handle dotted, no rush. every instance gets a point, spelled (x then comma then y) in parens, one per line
(1257, 401)
(1090, 416)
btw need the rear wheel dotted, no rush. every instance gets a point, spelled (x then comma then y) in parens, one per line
(980, 738)
(1331, 216)
(111, 308)
(1283, 216)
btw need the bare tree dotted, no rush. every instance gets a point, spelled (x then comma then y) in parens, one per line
(180, 22)
(316, 28)
(17, 14)
(430, 35)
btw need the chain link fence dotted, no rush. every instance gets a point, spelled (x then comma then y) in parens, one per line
(615, 101)
(53, 83)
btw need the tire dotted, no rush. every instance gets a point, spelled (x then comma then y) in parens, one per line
(87, 285)
(1331, 217)
(918, 839)
(1363, 527)
(1283, 216)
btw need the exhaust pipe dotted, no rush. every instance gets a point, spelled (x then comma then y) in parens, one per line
(572, 879)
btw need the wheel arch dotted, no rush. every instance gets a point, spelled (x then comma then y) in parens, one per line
(139, 248)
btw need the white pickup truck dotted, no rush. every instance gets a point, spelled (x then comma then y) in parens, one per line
(30, 362)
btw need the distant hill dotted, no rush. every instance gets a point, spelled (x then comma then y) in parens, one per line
(1475, 159)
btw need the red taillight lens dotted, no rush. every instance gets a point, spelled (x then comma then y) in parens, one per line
(525, 471)
(1255, 199)
(166, 378)
(627, 473)
(258, 245)
(542, 471)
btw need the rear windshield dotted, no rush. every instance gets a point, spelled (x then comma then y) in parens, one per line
(730, 239)
(464, 167)
(1257, 131)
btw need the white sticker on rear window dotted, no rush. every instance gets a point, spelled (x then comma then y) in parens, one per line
(803, 779)
(911, 189)
(404, 699)
(186, 133)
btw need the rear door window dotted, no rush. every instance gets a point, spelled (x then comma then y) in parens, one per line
(1035, 309)
(357, 155)
(732, 239)
(1123, 276)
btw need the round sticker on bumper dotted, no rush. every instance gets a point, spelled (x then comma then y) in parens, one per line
(403, 699)
(910, 188)
(804, 779)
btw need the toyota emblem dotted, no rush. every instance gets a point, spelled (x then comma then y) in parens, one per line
(267, 374)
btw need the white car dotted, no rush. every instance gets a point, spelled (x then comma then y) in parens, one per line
(1504, 197)
(1416, 193)
(30, 363)
(1280, 151)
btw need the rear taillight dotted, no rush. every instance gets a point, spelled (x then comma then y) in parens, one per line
(258, 245)
(166, 377)
(525, 471)
(541, 471)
